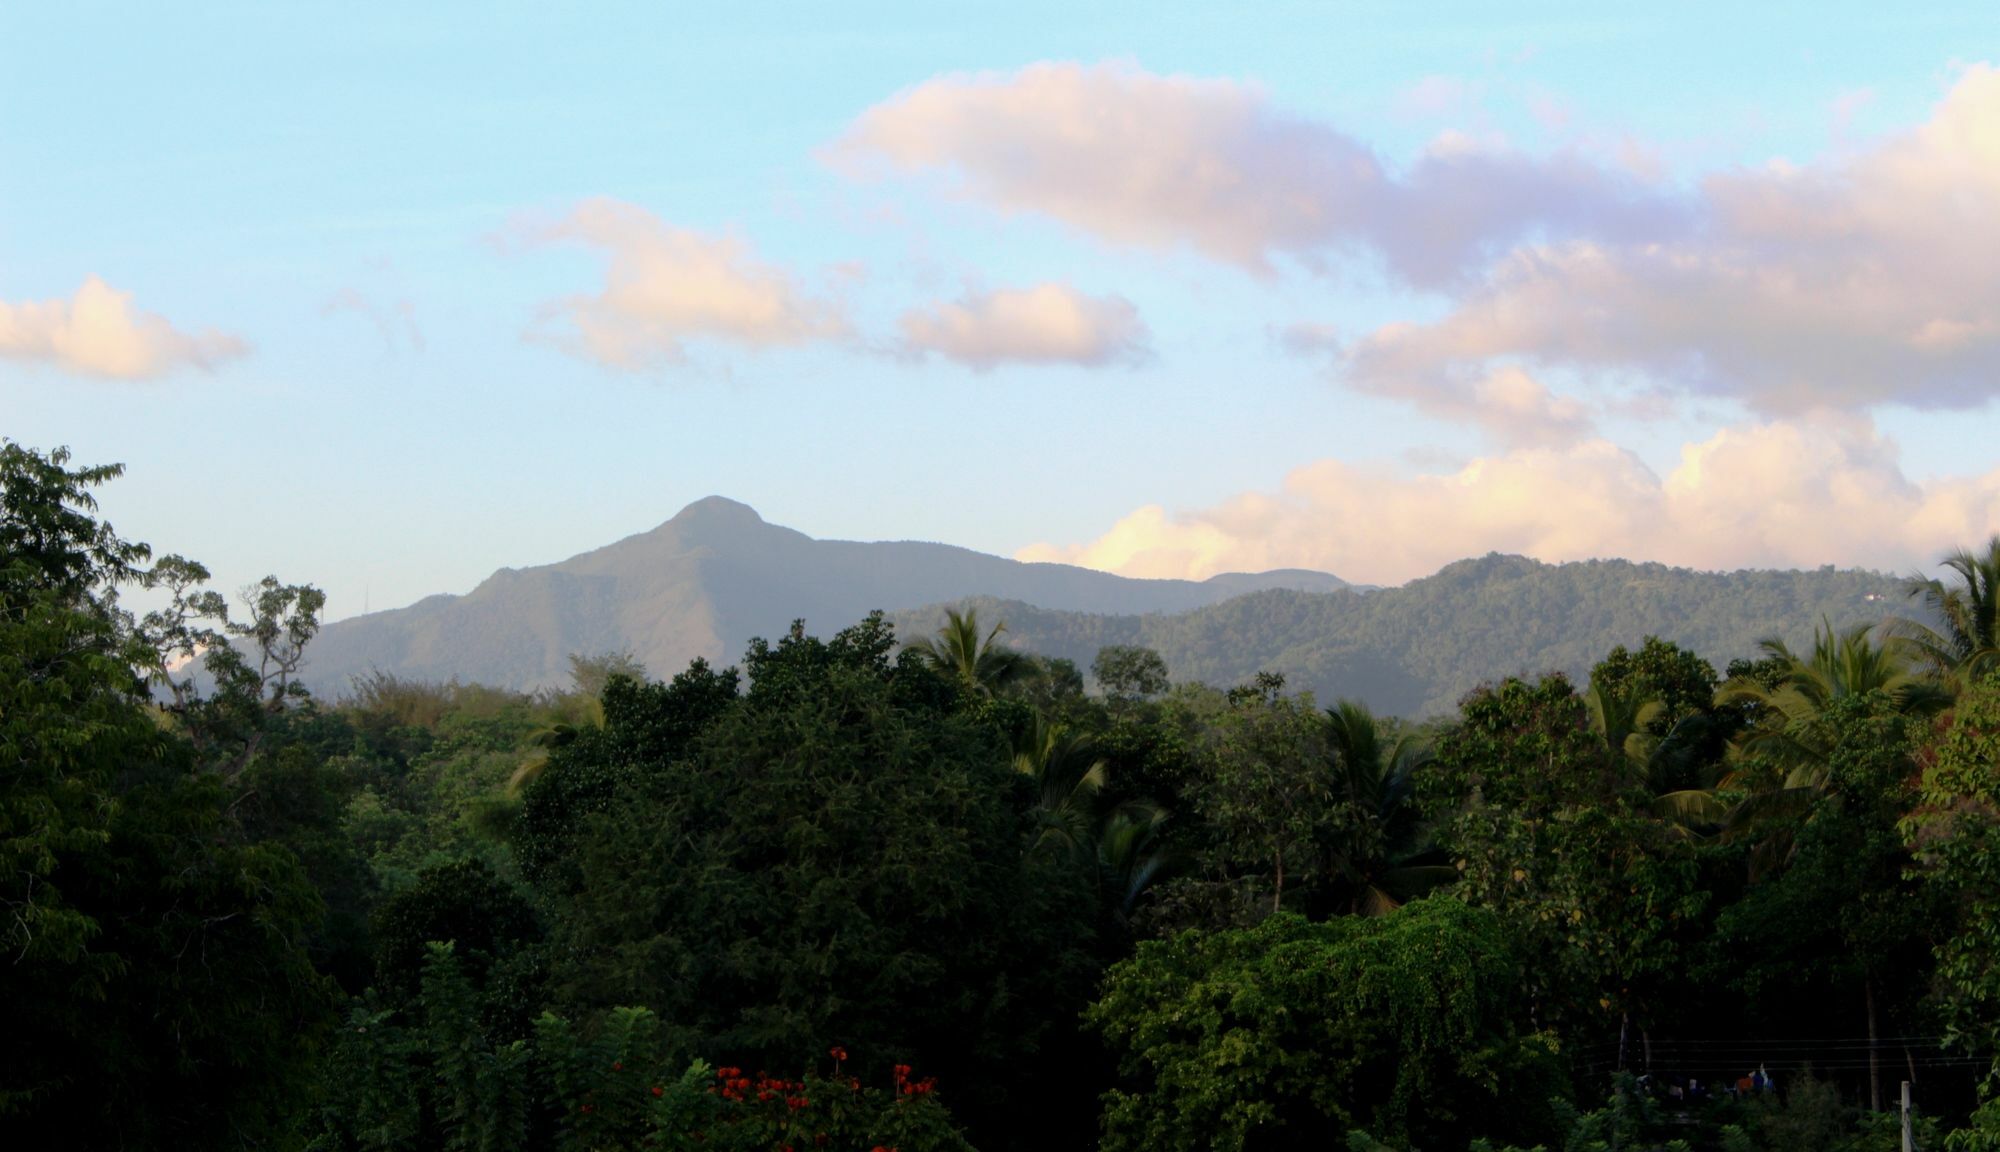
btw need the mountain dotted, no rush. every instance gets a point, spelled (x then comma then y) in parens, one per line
(703, 584)
(1415, 650)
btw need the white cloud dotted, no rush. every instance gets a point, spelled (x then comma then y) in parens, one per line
(1795, 493)
(1045, 324)
(665, 286)
(98, 332)
(1159, 161)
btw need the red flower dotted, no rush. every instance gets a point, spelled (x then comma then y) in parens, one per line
(618, 1066)
(837, 1052)
(658, 1091)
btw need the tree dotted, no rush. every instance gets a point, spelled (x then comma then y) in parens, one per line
(1783, 756)
(1068, 775)
(1127, 673)
(1844, 920)
(980, 665)
(1266, 791)
(1955, 834)
(1548, 829)
(156, 959)
(1288, 1034)
(1376, 839)
(1961, 641)
(839, 857)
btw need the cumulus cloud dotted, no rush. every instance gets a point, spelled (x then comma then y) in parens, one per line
(1788, 493)
(1866, 279)
(1045, 324)
(1511, 406)
(1860, 278)
(665, 286)
(1159, 161)
(98, 332)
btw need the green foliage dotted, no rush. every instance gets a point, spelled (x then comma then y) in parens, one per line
(1415, 650)
(558, 911)
(1956, 834)
(486, 921)
(978, 664)
(1289, 1033)
(1129, 672)
(1545, 826)
(832, 861)
(157, 958)
(1266, 791)
(1959, 635)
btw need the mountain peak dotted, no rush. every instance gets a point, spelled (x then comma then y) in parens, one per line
(716, 511)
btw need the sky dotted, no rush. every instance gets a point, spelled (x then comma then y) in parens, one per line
(384, 298)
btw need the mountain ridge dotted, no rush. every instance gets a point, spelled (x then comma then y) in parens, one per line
(702, 583)
(716, 574)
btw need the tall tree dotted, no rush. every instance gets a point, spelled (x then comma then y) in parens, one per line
(978, 663)
(1376, 839)
(1068, 774)
(159, 993)
(1783, 757)
(1961, 638)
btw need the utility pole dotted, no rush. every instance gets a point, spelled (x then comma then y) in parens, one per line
(1909, 1138)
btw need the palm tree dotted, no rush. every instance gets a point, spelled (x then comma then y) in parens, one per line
(1842, 665)
(1068, 775)
(981, 667)
(1376, 858)
(1131, 855)
(1785, 756)
(1624, 718)
(1964, 643)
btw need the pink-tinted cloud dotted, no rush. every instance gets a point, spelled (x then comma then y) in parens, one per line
(1045, 324)
(1785, 493)
(1164, 161)
(665, 286)
(1862, 280)
(1511, 406)
(98, 332)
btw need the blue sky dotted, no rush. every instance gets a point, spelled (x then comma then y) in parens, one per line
(386, 299)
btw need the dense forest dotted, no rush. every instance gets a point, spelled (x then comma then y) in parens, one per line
(1416, 650)
(863, 891)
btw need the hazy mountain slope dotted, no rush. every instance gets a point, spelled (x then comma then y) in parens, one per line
(703, 584)
(1416, 649)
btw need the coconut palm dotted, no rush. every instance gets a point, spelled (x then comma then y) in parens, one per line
(1068, 775)
(1841, 665)
(1783, 759)
(1376, 849)
(981, 666)
(1962, 641)
(1624, 718)
(1131, 854)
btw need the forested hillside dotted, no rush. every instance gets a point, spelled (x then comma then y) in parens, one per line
(1415, 650)
(870, 889)
(700, 586)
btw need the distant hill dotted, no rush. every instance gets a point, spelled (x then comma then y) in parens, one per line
(703, 584)
(1416, 649)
